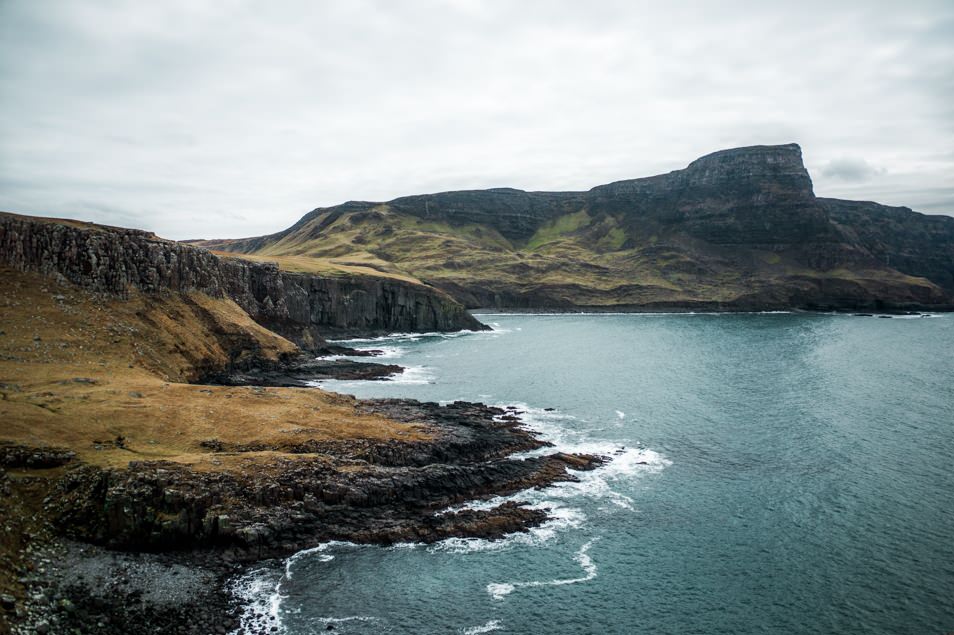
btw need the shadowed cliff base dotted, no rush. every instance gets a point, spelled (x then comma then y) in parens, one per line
(738, 229)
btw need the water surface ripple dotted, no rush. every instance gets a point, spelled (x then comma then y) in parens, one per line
(774, 474)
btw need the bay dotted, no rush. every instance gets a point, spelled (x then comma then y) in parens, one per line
(772, 473)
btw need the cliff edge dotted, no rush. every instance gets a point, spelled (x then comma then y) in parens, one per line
(304, 308)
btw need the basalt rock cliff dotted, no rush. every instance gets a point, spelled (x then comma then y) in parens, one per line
(301, 307)
(737, 229)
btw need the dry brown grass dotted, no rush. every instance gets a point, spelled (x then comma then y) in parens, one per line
(360, 264)
(79, 371)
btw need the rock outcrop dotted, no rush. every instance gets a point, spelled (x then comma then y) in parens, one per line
(361, 491)
(301, 307)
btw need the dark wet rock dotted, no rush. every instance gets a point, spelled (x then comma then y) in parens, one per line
(112, 593)
(300, 372)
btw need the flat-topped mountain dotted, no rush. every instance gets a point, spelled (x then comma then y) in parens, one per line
(736, 229)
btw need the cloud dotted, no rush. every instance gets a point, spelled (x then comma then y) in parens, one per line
(851, 169)
(225, 119)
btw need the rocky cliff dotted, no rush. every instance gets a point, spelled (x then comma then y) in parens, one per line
(301, 307)
(917, 244)
(736, 229)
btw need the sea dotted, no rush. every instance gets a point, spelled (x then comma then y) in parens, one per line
(770, 473)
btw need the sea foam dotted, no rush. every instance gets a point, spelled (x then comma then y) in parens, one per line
(492, 625)
(500, 590)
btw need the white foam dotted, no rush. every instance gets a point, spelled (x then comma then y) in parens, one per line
(413, 375)
(350, 618)
(624, 464)
(620, 414)
(492, 625)
(260, 596)
(559, 519)
(500, 590)
(259, 591)
(382, 352)
(388, 352)
(320, 549)
(409, 337)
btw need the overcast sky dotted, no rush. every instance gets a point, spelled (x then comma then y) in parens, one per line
(228, 118)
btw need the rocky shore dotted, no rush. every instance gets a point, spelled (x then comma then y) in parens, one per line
(302, 371)
(161, 433)
(149, 548)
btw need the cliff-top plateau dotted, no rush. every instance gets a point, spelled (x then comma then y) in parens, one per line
(738, 229)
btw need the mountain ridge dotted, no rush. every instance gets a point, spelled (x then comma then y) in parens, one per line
(736, 229)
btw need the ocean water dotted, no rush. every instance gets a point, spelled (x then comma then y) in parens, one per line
(773, 473)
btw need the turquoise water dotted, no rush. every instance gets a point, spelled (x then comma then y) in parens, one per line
(781, 473)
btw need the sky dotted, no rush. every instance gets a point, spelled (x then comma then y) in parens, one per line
(224, 119)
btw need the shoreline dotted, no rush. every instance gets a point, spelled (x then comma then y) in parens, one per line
(72, 583)
(622, 310)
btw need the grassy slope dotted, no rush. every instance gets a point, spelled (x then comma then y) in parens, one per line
(575, 258)
(78, 371)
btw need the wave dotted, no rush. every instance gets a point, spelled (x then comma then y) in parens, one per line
(558, 499)
(500, 590)
(409, 337)
(259, 593)
(560, 518)
(492, 625)
(413, 375)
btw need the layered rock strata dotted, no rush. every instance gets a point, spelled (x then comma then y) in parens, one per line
(301, 307)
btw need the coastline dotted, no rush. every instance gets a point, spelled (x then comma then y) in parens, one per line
(73, 584)
(694, 310)
(156, 435)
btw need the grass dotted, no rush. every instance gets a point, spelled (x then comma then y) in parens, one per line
(356, 264)
(80, 371)
(558, 229)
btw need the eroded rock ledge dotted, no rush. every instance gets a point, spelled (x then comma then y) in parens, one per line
(301, 307)
(360, 491)
(201, 526)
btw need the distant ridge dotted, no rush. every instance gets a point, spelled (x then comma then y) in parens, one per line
(736, 229)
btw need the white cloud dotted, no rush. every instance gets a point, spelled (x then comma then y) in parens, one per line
(228, 119)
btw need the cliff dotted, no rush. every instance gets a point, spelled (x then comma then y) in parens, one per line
(106, 438)
(736, 229)
(917, 244)
(299, 306)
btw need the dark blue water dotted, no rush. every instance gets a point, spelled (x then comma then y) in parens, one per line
(773, 474)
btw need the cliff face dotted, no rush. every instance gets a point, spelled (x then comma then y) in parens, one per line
(917, 244)
(744, 197)
(300, 307)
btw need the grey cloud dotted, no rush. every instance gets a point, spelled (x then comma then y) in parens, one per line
(851, 169)
(230, 119)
